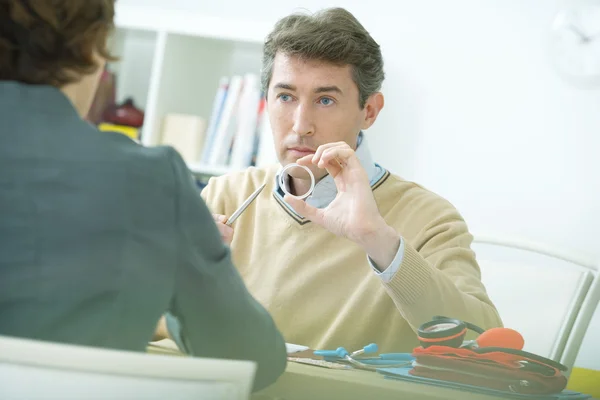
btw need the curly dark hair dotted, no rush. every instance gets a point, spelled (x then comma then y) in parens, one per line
(53, 42)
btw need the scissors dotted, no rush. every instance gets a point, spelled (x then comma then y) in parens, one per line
(244, 205)
(387, 360)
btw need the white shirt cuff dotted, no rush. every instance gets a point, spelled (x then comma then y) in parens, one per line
(391, 270)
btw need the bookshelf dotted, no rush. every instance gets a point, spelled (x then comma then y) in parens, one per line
(208, 170)
(171, 63)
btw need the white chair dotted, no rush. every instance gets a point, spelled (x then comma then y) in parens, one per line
(546, 295)
(36, 370)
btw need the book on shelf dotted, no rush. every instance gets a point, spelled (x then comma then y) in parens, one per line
(223, 135)
(185, 133)
(235, 136)
(237, 124)
(215, 116)
(242, 144)
(264, 150)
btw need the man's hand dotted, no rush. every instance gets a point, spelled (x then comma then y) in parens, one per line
(161, 331)
(225, 230)
(353, 213)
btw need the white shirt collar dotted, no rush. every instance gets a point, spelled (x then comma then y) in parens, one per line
(325, 190)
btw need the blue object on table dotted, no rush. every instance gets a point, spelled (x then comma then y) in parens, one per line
(378, 361)
(403, 375)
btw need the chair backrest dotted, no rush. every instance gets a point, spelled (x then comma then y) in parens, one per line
(582, 322)
(546, 295)
(36, 370)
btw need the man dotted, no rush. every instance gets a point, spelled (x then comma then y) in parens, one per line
(369, 256)
(100, 236)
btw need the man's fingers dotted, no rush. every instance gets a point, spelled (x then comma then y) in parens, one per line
(303, 209)
(341, 147)
(336, 156)
(161, 332)
(225, 231)
(219, 218)
(335, 159)
(306, 160)
(317, 156)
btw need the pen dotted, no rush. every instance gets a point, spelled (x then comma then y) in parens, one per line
(245, 205)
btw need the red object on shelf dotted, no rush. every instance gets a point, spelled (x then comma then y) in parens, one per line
(125, 114)
(104, 97)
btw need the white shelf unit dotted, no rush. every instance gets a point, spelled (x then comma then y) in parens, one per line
(210, 170)
(171, 62)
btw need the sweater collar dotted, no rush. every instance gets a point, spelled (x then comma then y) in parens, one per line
(325, 190)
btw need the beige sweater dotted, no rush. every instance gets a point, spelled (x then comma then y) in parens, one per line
(321, 290)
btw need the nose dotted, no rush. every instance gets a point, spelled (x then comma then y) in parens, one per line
(303, 121)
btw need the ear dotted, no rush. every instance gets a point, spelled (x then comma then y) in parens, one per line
(372, 108)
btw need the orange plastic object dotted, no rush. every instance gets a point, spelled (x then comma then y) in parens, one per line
(501, 337)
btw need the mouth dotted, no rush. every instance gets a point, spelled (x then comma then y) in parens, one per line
(299, 152)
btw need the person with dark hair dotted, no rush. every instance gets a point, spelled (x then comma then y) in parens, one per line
(100, 236)
(368, 256)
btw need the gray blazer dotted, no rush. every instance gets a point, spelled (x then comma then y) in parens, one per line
(100, 236)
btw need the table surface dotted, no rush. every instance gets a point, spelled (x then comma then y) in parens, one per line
(301, 382)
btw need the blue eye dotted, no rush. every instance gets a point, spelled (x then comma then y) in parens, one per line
(326, 101)
(285, 97)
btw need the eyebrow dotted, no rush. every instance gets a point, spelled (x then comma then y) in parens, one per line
(320, 89)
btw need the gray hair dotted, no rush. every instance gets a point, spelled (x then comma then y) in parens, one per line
(332, 35)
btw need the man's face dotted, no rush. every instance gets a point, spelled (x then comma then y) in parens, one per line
(311, 103)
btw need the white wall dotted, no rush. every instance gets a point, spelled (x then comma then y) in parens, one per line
(475, 113)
